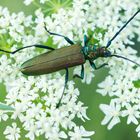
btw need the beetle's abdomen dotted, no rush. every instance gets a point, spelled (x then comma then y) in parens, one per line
(54, 61)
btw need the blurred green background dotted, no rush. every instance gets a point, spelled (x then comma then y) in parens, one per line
(88, 96)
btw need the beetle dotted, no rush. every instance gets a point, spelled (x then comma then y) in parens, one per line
(66, 57)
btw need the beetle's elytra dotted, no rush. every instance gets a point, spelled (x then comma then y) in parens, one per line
(54, 61)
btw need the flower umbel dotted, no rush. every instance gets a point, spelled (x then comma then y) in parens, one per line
(35, 98)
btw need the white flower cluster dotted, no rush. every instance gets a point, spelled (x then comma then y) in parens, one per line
(35, 98)
(119, 83)
(125, 97)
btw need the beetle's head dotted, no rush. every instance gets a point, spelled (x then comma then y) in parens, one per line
(104, 52)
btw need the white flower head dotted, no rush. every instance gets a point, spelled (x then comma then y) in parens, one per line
(80, 133)
(3, 116)
(133, 114)
(112, 113)
(12, 133)
(28, 2)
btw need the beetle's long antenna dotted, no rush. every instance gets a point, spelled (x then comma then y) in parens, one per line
(118, 56)
(5, 51)
(35, 45)
(110, 41)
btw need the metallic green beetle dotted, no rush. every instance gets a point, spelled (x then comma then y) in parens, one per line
(63, 58)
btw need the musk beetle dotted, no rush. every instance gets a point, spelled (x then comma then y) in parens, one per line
(63, 58)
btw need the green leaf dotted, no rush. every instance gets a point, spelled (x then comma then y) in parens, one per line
(90, 32)
(93, 36)
(101, 31)
(6, 107)
(136, 83)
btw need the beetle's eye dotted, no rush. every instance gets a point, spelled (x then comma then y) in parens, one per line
(107, 53)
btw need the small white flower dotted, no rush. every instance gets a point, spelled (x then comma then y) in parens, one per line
(3, 116)
(55, 134)
(28, 2)
(18, 109)
(106, 87)
(80, 133)
(81, 111)
(132, 112)
(12, 133)
(32, 128)
(112, 113)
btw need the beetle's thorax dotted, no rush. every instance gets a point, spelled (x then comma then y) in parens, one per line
(93, 53)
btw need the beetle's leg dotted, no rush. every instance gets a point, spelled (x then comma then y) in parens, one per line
(35, 45)
(85, 47)
(66, 80)
(85, 40)
(94, 66)
(94, 47)
(82, 73)
(66, 38)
